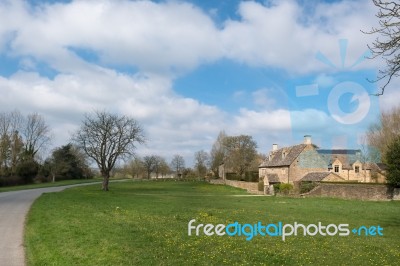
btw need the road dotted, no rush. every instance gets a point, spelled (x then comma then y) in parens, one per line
(14, 206)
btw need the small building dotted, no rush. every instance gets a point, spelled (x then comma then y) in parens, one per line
(306, 161)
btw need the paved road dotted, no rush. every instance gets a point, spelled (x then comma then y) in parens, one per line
(14, 206)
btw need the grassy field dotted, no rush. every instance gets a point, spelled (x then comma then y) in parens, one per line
(146, 223)
(50, 184)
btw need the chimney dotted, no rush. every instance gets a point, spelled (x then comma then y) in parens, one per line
(307, 139)
(274, 147)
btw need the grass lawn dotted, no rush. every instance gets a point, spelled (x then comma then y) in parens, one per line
(146, 223)
(50, 184)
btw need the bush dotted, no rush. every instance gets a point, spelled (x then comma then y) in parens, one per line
(306, 187)
(261, 186)
(11, 181)
(27, 170)
(41, 179)
(392, 157)
(232, 176)
(248, 177)
(283, 188)
(251, 177)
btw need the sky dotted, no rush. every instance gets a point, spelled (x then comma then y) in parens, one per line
(275, 70)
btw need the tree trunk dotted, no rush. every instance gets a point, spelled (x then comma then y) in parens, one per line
(106, 178)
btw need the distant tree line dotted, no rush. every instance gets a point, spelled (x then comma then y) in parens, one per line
(155, 166)
(22, 140)
(106, 139)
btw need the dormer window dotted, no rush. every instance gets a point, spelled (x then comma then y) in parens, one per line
(336, 168)
(357, 169)
(283, 155)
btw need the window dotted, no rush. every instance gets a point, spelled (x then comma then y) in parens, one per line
(357, 169)
(336, 168)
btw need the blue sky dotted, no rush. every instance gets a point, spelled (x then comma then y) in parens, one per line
(189, 69)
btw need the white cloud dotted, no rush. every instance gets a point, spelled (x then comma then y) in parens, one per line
(250, 121)
(171, 36)
(285, 35)
(173, 124)
(165, 40)
(264, 98)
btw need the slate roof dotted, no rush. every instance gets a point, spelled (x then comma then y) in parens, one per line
(379, 167)
(273, 178)
(382, 166)
(328, 156)
(338, 151)
(346, 157)
(315, 176)
(277, 158)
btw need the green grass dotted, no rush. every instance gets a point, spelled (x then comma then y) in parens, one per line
(145, 223)
(49, 184)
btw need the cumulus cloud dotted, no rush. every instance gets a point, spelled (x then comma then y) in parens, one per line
(168, 36)
(286, 35)
(261, 98)
(87, 43)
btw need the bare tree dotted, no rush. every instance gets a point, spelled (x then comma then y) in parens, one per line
(11, 142)
(388, 43)
(160, 166)
(36, 134)
(240, 153)
(106, 138)
(178, 164)
(17, 143)
(201, 159)
(164, 168)
(136, 167)
(149, 163)
(382, 133)
(217, 153)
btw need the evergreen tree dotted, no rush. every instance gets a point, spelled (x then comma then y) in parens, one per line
(393, 163)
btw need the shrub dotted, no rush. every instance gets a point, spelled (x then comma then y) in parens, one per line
(248, 177)
(27, 170)
(251, 177)
(307, 186)
(392, 157)
(10, 181)
(283, 188)
(232, 176)
(261, 186)
(41, 179)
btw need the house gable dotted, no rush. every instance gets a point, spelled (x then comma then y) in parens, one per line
(283, 157)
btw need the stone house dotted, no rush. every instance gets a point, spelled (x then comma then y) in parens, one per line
(305, 162)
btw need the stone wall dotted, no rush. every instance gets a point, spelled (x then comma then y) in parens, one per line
(352, 191)
(396, 194)
(217, 181)
(249, 186)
